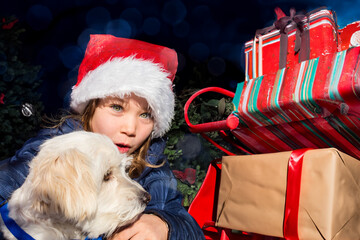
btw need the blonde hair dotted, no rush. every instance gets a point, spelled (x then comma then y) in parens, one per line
(138, 163)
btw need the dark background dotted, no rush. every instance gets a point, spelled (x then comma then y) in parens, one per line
(208, 35)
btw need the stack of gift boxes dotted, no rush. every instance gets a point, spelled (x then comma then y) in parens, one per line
(299, 114)
(301, 93)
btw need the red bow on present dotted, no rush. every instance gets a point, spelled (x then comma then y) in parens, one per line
(189, 175)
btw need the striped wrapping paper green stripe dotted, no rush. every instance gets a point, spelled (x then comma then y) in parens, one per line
(251, 95)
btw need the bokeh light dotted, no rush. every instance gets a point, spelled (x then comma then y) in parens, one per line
(71, 56)
(211, 30)
(132, 15)
(182, 29)
(119, 28)
(199, 51)
(151, 26)
(233, 84)
(39, 17)
(97, 18)
(174, 12)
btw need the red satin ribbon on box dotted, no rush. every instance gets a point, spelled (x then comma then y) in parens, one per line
(293, 194)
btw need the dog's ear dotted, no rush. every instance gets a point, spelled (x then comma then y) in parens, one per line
(64, 184)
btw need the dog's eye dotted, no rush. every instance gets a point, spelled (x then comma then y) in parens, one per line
(127, 168)
(107, 175)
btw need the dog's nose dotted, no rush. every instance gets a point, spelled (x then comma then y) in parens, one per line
(146, 197)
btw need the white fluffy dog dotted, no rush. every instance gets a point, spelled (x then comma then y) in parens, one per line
(77, 187)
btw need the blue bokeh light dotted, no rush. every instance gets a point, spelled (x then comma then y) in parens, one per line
(151, 26)
(71, 56)
(233, 84)
(211, 30)
(132, 15)
(174, 12)
(72, 76)
(199, 51)
(119, 28)
(39, 17)
(233, 52)
(97, 18)
(182, 29)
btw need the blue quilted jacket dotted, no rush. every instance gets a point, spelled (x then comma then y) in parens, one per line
(159, 182)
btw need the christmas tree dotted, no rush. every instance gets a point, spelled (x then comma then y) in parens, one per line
(20, 105)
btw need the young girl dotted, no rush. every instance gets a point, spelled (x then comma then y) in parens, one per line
(124, 91)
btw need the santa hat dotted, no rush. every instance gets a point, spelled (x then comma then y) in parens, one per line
(115, 66)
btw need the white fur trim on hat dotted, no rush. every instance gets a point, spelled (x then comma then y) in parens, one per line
(123, 76)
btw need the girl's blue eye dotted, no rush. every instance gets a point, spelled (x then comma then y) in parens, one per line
(116, 107)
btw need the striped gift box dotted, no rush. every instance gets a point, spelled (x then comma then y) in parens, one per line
(313, 104)
(262, 54)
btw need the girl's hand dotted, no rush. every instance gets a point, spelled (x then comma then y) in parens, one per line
(148, 227)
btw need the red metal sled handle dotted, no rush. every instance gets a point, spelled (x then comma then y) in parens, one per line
(230, 123)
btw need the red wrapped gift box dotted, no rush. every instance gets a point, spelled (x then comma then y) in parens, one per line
(312, 104)
(316, 32)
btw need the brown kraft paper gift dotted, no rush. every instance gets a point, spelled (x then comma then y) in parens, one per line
(253, 189)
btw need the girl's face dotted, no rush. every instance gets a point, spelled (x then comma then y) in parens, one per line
(126, 121)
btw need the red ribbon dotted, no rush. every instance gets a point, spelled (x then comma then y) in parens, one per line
(293, 194)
